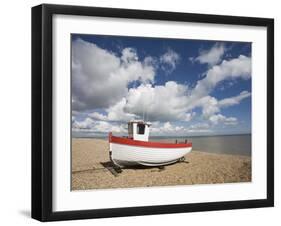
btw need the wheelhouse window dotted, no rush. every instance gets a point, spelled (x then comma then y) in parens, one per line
(141, 128)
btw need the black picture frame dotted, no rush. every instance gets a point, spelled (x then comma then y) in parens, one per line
(42, 108)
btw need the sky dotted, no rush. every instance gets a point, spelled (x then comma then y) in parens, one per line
(183, 87)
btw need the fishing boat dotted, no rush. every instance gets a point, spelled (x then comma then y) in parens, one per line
(136, 149)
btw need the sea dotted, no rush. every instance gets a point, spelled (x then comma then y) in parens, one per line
(221, 144)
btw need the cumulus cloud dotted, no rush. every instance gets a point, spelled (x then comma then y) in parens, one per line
(85, 124)
(212, 56)
(200, 126)
(91, 126)
(103, 75)
(234, 100)
(237, 68)
(210, 105)
(163, 102)
(219, 118)
(169, 128)
(115, 113)
(129, 55)
(229, 69)
(169, 60)
(101, 81)
(147, 100)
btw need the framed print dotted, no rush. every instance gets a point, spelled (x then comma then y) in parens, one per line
(146, 112)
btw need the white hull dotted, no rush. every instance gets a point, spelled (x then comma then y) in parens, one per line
(126, 155)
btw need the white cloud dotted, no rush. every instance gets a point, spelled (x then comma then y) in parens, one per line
(228, 70)
(167, 128)
(147, 101)
(211, 105)
(234, 100)
(219, 118)
(129, 55)
(89, 125)
(159, 103)
(232, 69)
(115, 113)
(212, 56)
(100, 78)
(99, 116)
(105, 127)
(200, 126)
(188, 116)
(169, 60)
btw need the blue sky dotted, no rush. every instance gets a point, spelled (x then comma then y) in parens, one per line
(184, 87)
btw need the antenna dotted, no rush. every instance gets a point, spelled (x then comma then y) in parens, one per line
(143, 112)
(147, 117)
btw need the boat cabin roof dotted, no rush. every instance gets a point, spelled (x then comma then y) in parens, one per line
(140, 122)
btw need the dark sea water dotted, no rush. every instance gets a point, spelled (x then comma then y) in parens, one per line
(222, 144)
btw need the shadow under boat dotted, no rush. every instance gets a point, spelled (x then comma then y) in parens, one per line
(116, 170)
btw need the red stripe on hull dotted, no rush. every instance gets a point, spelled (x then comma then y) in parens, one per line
(128, 141)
